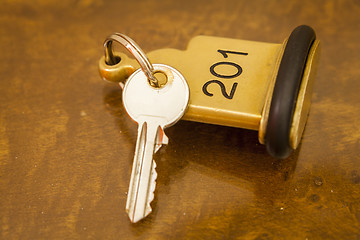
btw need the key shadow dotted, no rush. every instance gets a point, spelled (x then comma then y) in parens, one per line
(218, 151)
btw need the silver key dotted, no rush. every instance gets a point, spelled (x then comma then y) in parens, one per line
(153, 109)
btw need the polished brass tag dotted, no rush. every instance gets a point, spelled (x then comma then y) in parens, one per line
(228, 78)
(231, 81)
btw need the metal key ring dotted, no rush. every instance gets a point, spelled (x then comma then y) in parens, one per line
(135, 50)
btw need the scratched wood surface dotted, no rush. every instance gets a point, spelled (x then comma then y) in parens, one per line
(66, 144)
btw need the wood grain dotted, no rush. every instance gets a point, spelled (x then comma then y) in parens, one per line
(66, 144)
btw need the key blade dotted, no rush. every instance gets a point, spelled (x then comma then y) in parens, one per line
(143, 176)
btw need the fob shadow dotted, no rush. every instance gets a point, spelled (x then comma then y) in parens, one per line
(228, 154)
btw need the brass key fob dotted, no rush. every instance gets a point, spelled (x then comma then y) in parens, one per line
(253, 85)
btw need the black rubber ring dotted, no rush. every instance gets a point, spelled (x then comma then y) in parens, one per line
(286, 90)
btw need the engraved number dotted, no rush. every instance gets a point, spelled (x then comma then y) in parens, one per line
(224, 53)
(238, 68)
(222, 86)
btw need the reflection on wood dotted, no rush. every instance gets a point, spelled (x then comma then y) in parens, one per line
(66, 143)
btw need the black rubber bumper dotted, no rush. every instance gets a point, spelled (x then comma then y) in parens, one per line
(286, 89)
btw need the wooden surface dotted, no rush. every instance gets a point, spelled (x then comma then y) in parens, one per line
(66, 143)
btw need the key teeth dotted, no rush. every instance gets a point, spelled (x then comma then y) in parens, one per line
(160, 140)
(152, 189)
(165, 139)
(157, 147)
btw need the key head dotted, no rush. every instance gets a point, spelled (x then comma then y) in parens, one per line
(167, 104)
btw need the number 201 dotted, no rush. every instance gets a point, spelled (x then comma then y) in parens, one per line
(216, 74)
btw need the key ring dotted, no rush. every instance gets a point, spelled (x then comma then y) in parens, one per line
(135, 50)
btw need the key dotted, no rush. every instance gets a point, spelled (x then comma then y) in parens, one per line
(154, 109)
